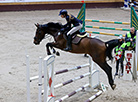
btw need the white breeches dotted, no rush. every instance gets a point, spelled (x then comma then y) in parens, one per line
(74, 29)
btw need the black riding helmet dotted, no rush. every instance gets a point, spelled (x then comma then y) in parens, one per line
(62, 12)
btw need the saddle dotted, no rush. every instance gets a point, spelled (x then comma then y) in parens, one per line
(77, 37)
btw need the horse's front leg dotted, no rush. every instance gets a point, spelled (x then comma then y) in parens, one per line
(47, 48)
(51, 45)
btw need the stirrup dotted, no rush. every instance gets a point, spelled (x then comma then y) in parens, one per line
(67, 49)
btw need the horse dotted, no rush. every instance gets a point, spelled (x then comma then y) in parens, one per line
(97, 49)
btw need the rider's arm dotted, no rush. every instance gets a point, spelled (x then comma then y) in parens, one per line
(68, 24)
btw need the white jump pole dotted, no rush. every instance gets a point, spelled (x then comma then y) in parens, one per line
(90, 70)
(49, 78)
(62, 71)
(136, 56)
(94, 96)
(40, 80)
(28, 77)
(45, 82)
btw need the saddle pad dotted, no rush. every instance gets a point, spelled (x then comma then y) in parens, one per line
(76, 40)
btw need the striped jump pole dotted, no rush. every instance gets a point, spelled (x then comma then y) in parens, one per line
(105, 33)
(72, 93)
(73, 80)
(71, 69)
(48, 79)
(133, 5)
(103, 21)
(63, 71)
(91, 74)
(70, 81)
(94, 96)
(109, 28)
(106, 28)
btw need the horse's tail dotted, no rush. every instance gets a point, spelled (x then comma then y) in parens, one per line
(110, 45)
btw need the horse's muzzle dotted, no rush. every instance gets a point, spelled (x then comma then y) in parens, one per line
(36, 42)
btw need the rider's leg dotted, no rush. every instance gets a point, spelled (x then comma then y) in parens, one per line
(73, 30)
(68, 48)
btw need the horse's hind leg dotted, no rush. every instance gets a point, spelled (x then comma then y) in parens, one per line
(108, 71)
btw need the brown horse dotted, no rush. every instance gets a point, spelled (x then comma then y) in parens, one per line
(96, 48)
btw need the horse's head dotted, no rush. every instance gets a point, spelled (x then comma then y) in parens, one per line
(49, 28)
(40, 34)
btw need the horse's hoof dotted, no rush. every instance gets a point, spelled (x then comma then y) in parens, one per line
(48, 53)
(85, 55)
(113, 86)
(57, 53)
(54, 51)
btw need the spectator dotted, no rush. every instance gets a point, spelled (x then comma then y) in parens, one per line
(119, 59)
(130, 40)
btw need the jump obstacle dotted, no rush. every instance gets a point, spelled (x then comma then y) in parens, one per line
(106, 28)
(133, 23)
(46, 71)
(81, 16)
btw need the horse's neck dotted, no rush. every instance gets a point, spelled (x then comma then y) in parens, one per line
(53, 32)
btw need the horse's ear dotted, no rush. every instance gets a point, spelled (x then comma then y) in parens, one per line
(37, 25)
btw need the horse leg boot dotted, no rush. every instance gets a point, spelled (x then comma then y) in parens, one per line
(69, 47)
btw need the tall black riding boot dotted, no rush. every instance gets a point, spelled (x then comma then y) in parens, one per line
(68, 48)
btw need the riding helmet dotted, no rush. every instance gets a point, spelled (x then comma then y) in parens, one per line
(62, 12)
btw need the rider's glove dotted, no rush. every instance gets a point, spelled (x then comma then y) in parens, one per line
(62, 29)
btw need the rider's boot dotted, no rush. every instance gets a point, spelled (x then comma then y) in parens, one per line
(68, 48)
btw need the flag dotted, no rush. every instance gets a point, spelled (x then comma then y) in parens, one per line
(134, 19)
(81, 16)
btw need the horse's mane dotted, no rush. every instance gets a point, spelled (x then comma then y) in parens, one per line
(110, 45)
(54, 25)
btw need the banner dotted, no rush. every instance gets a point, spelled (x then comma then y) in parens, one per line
(81, 16)
(134, 19)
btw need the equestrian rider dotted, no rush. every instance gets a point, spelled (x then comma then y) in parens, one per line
(77, 25)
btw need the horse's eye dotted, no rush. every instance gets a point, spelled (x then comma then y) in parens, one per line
(34, 38)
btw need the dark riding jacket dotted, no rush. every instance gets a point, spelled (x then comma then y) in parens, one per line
(71, 20)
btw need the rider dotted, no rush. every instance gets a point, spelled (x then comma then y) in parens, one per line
(77, 25)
